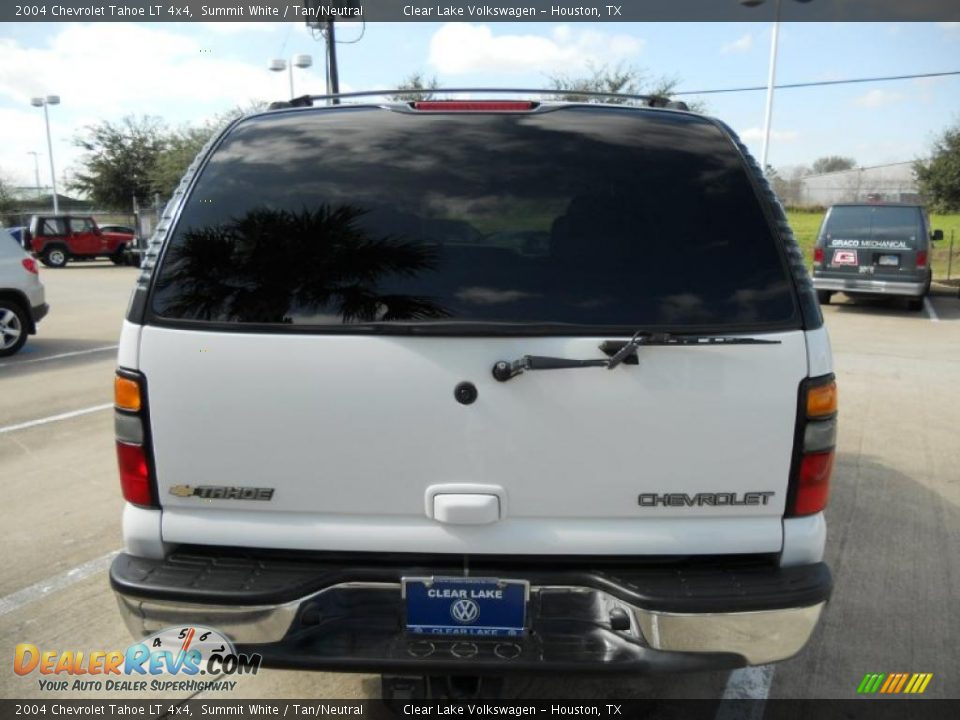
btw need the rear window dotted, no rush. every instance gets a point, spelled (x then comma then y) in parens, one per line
(574, 217)
(872, 226)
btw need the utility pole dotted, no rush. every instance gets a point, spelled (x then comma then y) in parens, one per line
(332, 61)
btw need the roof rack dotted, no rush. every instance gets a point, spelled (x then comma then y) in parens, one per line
(657, 101)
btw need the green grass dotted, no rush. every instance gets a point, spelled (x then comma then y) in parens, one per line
(806, 224)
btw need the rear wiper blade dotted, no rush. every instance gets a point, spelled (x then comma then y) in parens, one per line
(618, 351)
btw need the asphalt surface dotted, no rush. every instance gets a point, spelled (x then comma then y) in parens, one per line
(894, 516)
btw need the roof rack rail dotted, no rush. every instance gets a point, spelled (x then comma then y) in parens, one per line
(658, 101)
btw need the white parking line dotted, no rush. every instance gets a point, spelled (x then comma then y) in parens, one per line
(749, 683)
(43, 588)
(54, 418)
(930, 311)
(61, 355)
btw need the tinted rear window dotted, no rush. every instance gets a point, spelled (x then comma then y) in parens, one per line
(580, 216)
(877, 222)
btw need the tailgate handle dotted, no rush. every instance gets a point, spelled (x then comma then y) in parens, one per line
(466, 508)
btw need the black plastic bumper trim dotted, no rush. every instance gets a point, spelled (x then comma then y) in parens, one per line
(227, 577)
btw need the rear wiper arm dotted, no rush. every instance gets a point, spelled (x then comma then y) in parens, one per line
(618, 352)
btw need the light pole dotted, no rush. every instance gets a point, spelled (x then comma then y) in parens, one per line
(300, 61)
(43, 102)
(36, 168)
(771, 75)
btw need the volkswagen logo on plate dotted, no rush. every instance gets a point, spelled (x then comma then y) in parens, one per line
(464, 611)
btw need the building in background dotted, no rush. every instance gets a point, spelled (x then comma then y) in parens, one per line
(895, 182)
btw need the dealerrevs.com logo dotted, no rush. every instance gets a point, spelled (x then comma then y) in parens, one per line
(189, 658)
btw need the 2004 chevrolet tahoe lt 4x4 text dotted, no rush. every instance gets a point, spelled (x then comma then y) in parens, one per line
(477, 387)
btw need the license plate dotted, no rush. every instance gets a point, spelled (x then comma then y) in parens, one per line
(466, 606)
(889, 260)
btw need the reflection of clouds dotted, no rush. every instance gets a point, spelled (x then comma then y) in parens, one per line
(749, 301)
(491, 296)
(683, 307)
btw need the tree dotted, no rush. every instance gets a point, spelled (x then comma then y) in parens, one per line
(419, 83)
(616, 79)
(832, 163)
(786, 183)
(939, 177)
(8, 203)
(185, 143)
(119, 160)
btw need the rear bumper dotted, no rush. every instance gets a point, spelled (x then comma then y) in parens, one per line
(39, 312)
(871, 287)
(324, 615)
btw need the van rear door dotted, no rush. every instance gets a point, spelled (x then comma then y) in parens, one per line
(874, 242)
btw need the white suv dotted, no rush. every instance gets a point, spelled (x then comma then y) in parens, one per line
(21, 295)
(473, 387)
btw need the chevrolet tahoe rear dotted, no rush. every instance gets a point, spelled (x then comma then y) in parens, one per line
(474, 388)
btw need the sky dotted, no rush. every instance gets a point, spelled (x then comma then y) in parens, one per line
(187, 73)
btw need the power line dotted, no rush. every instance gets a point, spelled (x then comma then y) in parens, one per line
(816, 84)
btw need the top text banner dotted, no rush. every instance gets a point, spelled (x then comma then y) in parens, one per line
(566, 11)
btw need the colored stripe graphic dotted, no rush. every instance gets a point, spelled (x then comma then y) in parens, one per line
(870, 683)
(894, 683)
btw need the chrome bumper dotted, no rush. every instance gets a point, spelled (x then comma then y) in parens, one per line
(758, 637)
(877, 287)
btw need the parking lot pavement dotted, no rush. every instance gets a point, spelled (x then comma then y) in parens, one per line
(894, 521)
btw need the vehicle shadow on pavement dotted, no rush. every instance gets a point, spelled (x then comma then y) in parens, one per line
(894, 549)
(944, 301)
(39, 354)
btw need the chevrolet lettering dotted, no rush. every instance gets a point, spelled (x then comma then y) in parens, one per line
(702, 499)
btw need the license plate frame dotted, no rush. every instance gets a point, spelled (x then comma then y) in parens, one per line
(465, 606)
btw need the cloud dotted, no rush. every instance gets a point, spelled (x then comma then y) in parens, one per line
(877, 98)
(458, 48)
(235, 28)
(755, 134)
(741, 44)
(103, 71)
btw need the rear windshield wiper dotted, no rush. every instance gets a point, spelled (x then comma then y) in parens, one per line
(618, 352)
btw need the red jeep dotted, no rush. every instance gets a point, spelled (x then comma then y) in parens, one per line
(56, 239)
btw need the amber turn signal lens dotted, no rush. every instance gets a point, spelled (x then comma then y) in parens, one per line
(126, 394)
(822, 400)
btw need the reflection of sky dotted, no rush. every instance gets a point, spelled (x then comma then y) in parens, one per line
(563, 216)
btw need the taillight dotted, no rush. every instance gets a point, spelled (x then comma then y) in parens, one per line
(133, 450)
(921, 258)
(473, 105)
(30, 265)
(816, 439)
(818, 255)
(134, 476)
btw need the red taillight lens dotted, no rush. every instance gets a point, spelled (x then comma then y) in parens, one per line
(813, 487)
(134, 476)
(921, 258)
(818, 255)
(30, 265)
(472, 105)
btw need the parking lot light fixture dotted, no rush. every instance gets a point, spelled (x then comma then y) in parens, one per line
(44, 102)
(279, 65)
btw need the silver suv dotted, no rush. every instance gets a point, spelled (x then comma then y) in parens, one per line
(22, 303)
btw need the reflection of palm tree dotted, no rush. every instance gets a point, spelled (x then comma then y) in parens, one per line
(264, 265)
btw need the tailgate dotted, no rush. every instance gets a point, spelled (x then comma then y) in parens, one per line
(352, 435)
